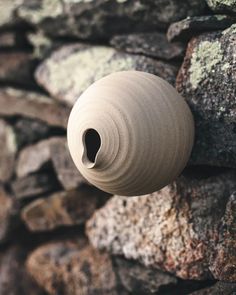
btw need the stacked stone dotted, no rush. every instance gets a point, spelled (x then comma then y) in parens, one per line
(59, 234)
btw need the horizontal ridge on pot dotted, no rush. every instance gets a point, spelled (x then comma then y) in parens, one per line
(130, 133)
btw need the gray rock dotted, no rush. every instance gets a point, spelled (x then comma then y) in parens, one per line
(223, 263)
(73, 68)
(104, 18)
(66, 171)
(8, 151)
(207, 81)
(220, 288)
(29, 131)
(34, 185)
(149, 44)
(222, 5)
(34, 157)
(55, 151)
(62, 209)
(185, 29)
(142, 280)
(16, 102)
(7, 14)
(174, 230)
(73, 267)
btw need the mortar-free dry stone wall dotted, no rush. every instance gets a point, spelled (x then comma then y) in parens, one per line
(58, 234)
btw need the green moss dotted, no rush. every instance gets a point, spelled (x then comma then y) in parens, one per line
(204, 58)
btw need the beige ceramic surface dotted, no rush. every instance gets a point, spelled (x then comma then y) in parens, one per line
(130, 133)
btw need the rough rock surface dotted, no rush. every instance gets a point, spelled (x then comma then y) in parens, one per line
(222, 5)
(55, 151)
(72, 267)
(34, 157)
(29, 131)
(140, 280)
(73, 68)
(7, 15)
(191, 26)
(8, 151)
(149, 44)
(16, 102)
(17, 68)
(219, 288)
(34, 185)
(66, 171)
(63, 209)
(104, 18)
(14, 280)
(207, 81)
(175, 229)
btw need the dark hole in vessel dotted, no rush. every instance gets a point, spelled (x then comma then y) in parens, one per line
(92, 143)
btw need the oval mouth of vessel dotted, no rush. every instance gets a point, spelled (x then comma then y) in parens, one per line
(91, 144)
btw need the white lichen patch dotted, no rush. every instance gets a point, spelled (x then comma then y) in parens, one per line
(47, 8)
(205, 56)
(219, 4)
(71, 73)
(230, 30)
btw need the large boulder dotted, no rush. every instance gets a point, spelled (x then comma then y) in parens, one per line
(207, 81)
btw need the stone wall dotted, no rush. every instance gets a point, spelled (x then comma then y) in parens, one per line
(58, 234)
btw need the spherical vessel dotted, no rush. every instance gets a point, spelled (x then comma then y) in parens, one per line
(130, 133)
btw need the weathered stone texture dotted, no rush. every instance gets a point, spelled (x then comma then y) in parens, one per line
(34, 185)
(8, 151)
(219, 288)
(71, 69)
(175, 229)
(191, 26)
(150, 44)
(207, 81)
(222, 5)
(140, 280)
(102, 19)
(16, 102)
(62, 209)
(14, 280)
(71, 267)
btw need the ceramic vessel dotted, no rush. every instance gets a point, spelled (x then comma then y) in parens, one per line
(130, 133)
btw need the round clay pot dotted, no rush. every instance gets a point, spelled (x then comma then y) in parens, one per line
(130, 133)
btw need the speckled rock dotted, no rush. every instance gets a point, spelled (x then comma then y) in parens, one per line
(62, 209)
(50, 151)
(149, 44)
(34, 157)
(8, 151)
(67, 173)
(104, 18)
(72, 267)
(223, 264)
(141, 280)
(222, 5)
(17, 68)
(14, 279)
(73, 68)
(207, 81)
(219, 288)
(191, 26)
(34, 185)
(175, 229)
(28, 131)
(16, 102)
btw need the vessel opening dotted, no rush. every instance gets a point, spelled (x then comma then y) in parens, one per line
(92, 143)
